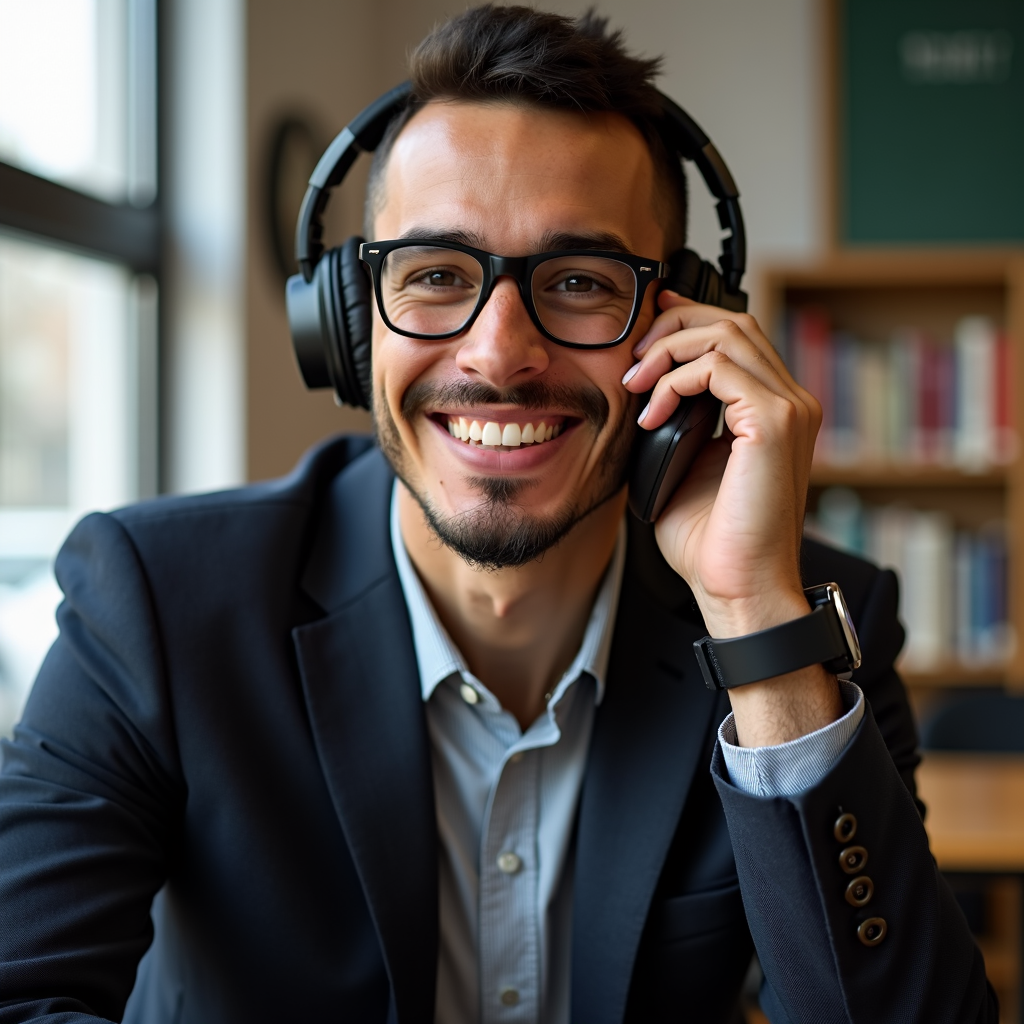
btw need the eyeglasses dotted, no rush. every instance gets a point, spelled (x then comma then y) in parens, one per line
(435, 289)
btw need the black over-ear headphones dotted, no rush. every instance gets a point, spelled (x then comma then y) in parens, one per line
(329, 300)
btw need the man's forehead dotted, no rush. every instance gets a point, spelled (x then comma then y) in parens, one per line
(504, 171)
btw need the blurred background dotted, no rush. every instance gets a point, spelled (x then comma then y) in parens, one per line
(153, 154)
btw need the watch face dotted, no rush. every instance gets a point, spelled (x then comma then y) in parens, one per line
(835, 596)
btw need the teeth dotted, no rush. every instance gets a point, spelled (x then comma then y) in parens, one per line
(511, 436)
(493, 434)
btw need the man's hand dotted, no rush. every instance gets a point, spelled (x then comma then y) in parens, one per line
(733, 528)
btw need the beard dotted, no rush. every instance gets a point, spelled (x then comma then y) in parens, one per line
(499, 532)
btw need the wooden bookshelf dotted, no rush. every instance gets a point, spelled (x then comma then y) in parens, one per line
(888, 475)
(871, 295)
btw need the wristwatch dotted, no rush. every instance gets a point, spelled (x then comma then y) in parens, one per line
(826, 636)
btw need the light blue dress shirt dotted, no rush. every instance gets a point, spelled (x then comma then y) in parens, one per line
(506, 806)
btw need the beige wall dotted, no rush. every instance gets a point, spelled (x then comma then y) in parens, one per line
(747, 70)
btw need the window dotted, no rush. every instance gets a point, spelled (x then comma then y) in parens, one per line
(79, 272)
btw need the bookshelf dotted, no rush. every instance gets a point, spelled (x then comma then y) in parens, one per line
(874, 297)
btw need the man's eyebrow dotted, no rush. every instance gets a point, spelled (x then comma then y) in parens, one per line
(551, 241)
(610, 242)
(445, 235)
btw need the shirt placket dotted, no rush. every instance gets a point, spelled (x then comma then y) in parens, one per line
(509, 941)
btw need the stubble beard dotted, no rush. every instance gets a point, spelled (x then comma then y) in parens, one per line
(500, 532)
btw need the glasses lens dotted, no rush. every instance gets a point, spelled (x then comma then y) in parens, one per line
(586, 300)
(428, 289)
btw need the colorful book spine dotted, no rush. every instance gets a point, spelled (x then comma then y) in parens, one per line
(910, 399)
(953, 582)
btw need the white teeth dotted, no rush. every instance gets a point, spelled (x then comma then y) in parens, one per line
(511, 436)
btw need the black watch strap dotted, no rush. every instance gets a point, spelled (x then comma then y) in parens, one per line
(810, 640)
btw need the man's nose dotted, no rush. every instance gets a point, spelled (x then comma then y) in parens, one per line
(503, 347)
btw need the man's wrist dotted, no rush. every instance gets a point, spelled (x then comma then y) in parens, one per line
(733, 617)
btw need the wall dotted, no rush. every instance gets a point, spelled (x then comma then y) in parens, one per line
(750, 73)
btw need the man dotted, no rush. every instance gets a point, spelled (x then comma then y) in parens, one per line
(438, 748)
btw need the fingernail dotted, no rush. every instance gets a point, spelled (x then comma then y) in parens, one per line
(630, 373)
(641, 346)
(643, 415)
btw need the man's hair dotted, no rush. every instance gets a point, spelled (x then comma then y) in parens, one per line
(523, 56)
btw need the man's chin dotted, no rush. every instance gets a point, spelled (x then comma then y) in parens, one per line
(502, 521)
(497, 533)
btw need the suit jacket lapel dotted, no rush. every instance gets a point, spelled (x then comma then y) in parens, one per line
(362, 691)
(649, 737)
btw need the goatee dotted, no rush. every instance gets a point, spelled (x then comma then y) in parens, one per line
(499, 532)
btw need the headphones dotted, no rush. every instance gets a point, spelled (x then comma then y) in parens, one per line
(329, 301)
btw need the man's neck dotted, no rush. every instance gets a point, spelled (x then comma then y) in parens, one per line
(518, 629)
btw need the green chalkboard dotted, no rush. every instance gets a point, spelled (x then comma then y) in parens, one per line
(932, 121)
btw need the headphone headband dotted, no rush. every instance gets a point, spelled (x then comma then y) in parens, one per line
(363, 135)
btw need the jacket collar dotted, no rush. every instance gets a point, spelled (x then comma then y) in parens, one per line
(361, 686)
(650, 735)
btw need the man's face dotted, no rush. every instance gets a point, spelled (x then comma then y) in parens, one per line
(509, 179)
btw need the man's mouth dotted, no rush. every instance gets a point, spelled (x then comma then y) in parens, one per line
(482, 433)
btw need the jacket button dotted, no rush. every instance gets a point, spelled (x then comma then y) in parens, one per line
(860, 891)
(853, 859)
(872, 931)
(845, 828)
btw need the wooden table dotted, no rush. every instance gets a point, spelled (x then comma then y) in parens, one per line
(975, 820)
(975, 810)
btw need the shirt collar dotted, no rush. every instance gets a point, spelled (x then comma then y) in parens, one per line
(437, 657)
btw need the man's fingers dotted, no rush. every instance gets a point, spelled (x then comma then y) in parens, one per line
(751, 408)
(685, 346)
(680, 314)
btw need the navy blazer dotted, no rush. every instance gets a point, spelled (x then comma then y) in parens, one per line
(231, 718)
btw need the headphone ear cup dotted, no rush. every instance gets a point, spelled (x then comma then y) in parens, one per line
(693, 277)
(356, 297)
(341, 321)
(699, 280)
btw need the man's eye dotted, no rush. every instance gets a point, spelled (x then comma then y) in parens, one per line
(439, 278)
(580, 283)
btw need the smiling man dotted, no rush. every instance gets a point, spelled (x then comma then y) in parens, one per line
(419, 732)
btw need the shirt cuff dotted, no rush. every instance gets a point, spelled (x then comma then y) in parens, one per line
(790, 768)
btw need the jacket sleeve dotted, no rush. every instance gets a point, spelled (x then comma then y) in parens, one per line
(927, 967)
(90, 791)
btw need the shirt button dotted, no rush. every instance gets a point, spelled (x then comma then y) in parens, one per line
(510, 864)
(469, 695)
(509, 997)
(516, 757)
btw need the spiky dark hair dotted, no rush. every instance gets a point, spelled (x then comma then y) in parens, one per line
(522, 55)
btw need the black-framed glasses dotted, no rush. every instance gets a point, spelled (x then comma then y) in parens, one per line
(434, 289)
